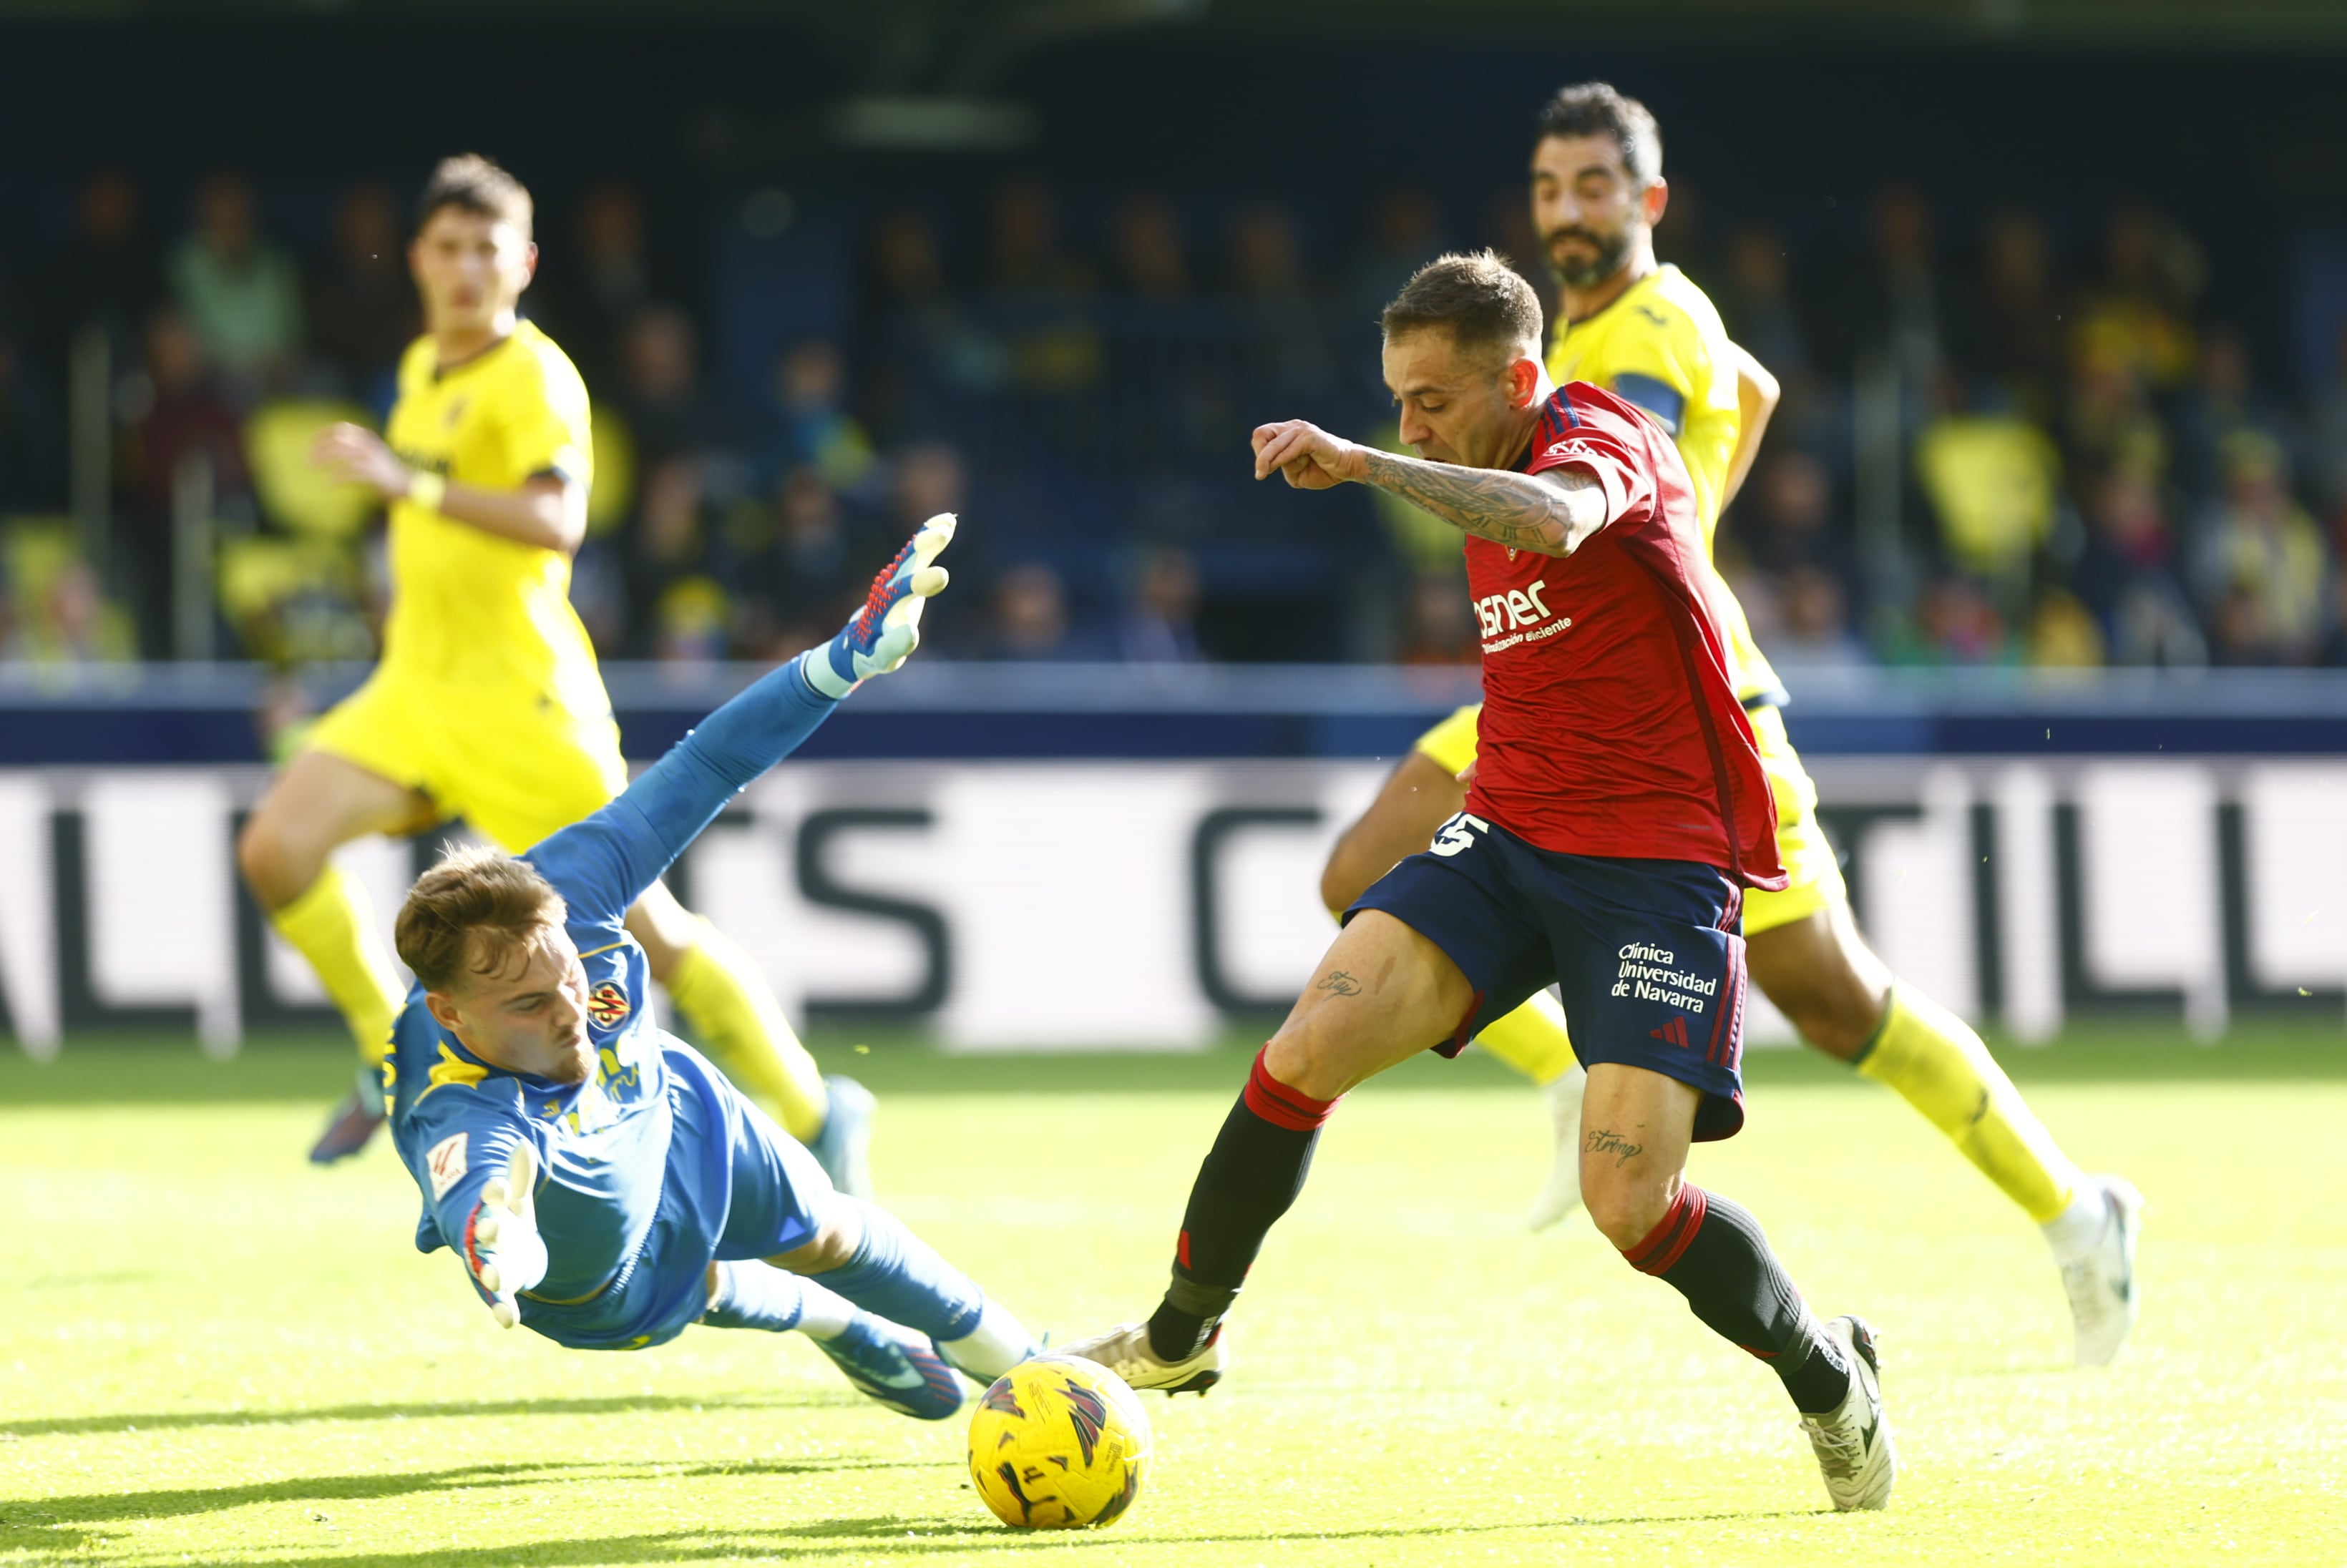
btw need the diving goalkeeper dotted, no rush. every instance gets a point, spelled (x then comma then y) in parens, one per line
(601, 1183)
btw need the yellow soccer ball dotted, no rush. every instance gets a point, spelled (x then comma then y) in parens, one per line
(1059, 1443)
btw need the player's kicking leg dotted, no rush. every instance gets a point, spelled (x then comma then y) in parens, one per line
(1821, 974)
(1637, 1126)
(318, 804)
(719, 988)
(1422, 794)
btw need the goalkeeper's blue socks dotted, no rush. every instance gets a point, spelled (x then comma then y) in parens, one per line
(898, 1276)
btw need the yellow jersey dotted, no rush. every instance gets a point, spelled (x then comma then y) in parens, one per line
(486, 618)
(1660, 345)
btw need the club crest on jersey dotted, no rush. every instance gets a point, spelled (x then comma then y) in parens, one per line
(607, 1004)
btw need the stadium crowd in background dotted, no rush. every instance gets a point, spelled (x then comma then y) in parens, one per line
(1999, 445)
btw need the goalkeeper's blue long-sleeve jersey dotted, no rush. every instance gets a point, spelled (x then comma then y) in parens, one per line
(610, 1164)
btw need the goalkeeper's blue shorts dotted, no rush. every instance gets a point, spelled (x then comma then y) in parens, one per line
(737, 1187)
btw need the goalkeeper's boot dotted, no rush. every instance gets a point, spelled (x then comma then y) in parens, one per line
(844, 1147)
(1126, 1350)
(2101, 1283)
(1563, 1195)
(895, 1367)
(355, 1120)
(1852, 1440)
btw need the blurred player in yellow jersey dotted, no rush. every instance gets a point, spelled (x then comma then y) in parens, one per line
(487, 704)
(1648, 335)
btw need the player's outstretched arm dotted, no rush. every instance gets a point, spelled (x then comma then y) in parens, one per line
(603, 863)
(503, 1250)
(1549, 513)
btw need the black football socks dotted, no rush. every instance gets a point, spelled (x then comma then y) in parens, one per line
(1250, 1178)
(1714, 1253)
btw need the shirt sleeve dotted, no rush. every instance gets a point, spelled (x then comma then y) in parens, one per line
(600, 866)
(464, 1134)
(1656, 363)
(1621, 467)
(548, 428)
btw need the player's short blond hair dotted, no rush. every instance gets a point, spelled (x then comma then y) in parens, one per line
(467, 915)
(1483, 303)
(471, 183)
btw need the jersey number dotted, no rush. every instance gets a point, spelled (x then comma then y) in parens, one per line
(1457, 834)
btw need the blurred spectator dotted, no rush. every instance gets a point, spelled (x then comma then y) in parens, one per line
(2138, 314)
(32, 436)
(1954, 622)
(242, 294)
(1437, 623)
(1145, 242)
(591, 294)
(1023, 253)
(2110, 422)
(668, 409)
(2327, 445)
(363, 306)
(188, 416)
(2260, 563)
(903, 318)
(808, 423)
(1903, 300)
(812, 575)
(2061, 634)
(2224, 402)
(1756, 300)
(1032, 619)
(2017, 317)
(1993, 480)
(676, 608)
(1785, 518)
(1263, 258)
(76, 626)
(1405, 234)
(107, 274)
(1161, 618)
(1813, 625)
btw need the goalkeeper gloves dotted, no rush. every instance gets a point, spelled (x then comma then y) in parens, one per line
(502, 1246)
(887, 629)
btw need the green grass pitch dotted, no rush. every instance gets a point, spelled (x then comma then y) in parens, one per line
(213, 1354)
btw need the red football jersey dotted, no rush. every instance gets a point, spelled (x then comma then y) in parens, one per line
(1610, 722)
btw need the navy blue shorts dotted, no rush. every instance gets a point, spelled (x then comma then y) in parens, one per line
(1645, 953)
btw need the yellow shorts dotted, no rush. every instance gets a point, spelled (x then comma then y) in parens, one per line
(1813, 874)
(517, 770)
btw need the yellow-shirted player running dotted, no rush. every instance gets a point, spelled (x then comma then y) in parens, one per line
(487, 704)
(1651, 336)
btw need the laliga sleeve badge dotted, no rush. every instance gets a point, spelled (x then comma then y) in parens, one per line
(446, 1164)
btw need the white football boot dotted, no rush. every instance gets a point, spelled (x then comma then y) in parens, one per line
(1563, 1195)
(1853, 1440)
(1124, 1351)
(2100, 1282)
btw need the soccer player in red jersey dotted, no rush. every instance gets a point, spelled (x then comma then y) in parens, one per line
(1618, 812)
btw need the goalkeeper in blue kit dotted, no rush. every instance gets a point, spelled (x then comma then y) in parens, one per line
(601, 1181)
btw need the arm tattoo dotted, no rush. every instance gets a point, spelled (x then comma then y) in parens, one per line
(1341, 983)
(1544, 514)
(1602, 1142)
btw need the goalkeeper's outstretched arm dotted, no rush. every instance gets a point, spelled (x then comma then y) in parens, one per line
(606, 861)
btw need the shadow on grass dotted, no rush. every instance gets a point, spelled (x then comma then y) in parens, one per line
(860, 1539)
(458, 1410)
(111, 1507)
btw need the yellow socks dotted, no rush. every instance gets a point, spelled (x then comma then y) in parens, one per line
(332, 924)
(1532, 1040)
(729, 1005)
(1940, 1065)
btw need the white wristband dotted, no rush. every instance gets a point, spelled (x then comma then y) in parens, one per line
(426, 491)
